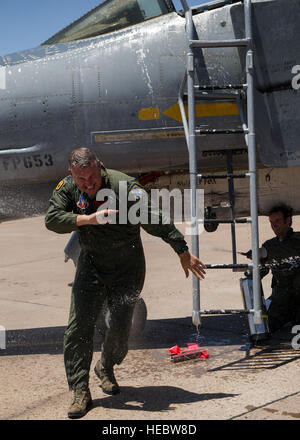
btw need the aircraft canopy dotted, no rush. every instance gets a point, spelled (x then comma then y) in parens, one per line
(111, 15)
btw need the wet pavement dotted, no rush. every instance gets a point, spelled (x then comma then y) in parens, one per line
(239, 380)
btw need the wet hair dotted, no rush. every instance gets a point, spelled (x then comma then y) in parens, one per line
(286, 210)
(82, 158)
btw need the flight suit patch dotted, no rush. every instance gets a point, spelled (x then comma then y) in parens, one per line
(82, 203)
(60, 184)
(137, 193)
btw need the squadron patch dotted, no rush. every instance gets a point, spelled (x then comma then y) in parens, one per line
(60, 185)
(137, 193)
(82, 203)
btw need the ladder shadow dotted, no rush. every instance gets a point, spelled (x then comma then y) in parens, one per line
(265, 359)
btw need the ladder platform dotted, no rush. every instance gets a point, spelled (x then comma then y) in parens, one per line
(220, 43)
(221, 131)
(223, 176)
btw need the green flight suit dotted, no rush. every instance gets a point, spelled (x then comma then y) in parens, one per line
(283, 259)
(110, 272)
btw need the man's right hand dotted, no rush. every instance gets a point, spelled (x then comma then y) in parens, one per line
(101, 217)
(190, 262)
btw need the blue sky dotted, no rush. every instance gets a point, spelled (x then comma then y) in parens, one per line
(25, 24)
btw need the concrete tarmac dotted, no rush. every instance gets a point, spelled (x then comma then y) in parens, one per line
(237, 382)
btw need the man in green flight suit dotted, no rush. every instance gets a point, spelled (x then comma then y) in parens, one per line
(110, 268)
(283, 258)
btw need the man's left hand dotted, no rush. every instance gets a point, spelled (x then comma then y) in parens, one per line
(191, 262)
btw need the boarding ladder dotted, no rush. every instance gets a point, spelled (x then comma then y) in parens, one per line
(248, 129)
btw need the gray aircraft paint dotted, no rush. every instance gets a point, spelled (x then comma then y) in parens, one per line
(96, 93)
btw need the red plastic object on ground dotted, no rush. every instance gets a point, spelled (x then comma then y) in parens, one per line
(175, 350)
(192, 352)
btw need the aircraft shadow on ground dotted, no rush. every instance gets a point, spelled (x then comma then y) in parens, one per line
(216, 331)
(158, 333)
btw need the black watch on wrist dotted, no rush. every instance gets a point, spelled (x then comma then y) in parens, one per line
(183, 249)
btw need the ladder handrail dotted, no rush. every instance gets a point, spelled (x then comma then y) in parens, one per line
(257, 302)
(196, 318)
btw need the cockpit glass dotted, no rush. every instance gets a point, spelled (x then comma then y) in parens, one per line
(110, 16)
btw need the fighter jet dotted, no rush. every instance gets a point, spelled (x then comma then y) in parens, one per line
(111, 81)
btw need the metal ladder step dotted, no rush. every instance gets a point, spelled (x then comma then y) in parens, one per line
(212, 5)
(226, 221)
(217, 96)
(225, 87)
(225, 312)
(243, 42)
(229, 266)
(222, 131)
(223, 176)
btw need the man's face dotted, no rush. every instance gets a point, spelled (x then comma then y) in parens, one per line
(279, 224)
(87, 179)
